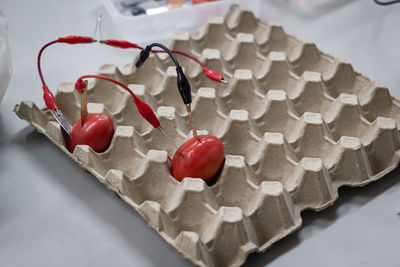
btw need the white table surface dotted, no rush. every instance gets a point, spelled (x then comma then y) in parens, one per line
(53, 213)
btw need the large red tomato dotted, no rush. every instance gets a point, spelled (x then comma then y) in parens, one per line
(97, 131)
(199, 157)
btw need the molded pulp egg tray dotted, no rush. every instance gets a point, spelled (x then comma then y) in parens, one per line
(296, 124)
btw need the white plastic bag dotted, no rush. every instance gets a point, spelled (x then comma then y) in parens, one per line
(5, 57)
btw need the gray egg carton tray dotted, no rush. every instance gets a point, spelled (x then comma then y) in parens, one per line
(296, 125)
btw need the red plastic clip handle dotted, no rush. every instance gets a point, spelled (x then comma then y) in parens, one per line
(146, 112)
(121, 43)
(80, 85)
(49, 98)
(213, 74)
(73, 39)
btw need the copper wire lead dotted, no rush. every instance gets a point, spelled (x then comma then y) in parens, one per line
(189, 111)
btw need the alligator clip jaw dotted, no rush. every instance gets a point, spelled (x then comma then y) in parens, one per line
(57, 114)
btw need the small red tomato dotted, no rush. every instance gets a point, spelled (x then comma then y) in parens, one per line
(97, 131)
(199, 157)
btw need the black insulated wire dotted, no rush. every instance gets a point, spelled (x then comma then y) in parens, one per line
(144, 54)
(182, 82)
(163, 47)
(386, 3)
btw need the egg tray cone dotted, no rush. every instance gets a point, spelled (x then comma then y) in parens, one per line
(296, 125)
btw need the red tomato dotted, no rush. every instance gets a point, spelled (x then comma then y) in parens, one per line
(96, 132)
(199, 157)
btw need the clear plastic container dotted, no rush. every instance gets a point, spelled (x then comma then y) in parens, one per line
(5, 57)
(315, 7)
(149, 28)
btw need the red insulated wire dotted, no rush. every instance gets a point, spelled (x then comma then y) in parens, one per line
(183, 54)
(40, 55)
(143, 108)
(210, 73)
(107, 79)
(69, 40)
(126, 44)
(47, 94)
